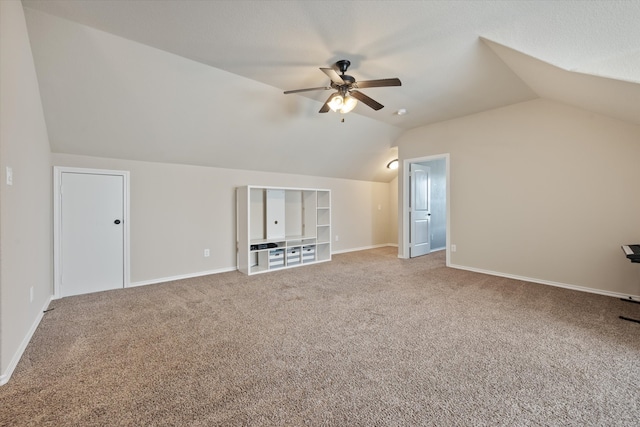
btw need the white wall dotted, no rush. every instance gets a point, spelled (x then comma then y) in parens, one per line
(25, 206)
(177, 211)
(541, 190)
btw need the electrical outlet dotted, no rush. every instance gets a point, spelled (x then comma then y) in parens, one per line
(453, 248)
(337, 238)
(207, 252)
(31, 294)
(9, 176)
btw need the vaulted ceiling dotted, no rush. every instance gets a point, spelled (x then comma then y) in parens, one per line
(201, 82)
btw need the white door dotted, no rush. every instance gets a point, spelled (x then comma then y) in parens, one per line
(91, 233)
(419, 210)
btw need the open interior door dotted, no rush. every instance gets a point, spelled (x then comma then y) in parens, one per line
(419, 210)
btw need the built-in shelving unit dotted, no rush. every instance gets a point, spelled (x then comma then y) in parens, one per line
(282, 227)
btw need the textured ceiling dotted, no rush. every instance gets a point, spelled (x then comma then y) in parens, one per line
(435, 47)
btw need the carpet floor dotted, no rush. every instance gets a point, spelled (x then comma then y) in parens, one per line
(364, 340)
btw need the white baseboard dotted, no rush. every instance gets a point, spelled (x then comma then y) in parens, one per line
(363, 248)
(4, 378)
(548, 282)
(180, 277)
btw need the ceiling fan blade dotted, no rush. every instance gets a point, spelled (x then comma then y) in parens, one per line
(331, 73)
(378, 83)
(365, 99)
(307, 90)
(325, 108)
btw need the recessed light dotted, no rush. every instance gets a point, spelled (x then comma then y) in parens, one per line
(401, 112)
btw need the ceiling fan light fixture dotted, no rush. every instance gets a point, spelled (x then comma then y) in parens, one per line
(342, 104)
(348, 104)
(336, 102)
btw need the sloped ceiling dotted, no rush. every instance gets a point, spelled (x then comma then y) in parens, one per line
(200, 82)
(607, 96)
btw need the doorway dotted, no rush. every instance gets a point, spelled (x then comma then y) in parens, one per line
(91, 230)
(424, 220)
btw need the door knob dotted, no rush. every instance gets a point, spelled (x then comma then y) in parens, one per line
(117, 221)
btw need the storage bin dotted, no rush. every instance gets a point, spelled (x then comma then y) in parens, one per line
(293, 256)
(308, 253)
(276, 258)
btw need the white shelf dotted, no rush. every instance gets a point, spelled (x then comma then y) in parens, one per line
(297, 220)
(324, 198)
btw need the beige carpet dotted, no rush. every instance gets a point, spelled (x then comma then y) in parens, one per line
(365, 340)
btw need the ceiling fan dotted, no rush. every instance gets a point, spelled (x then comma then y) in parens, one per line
(346, 96)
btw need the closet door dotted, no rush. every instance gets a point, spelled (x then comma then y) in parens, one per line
(92, 234)
(275, 214)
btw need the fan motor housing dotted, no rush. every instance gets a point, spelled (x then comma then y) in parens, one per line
(348, 79)
(343, 65)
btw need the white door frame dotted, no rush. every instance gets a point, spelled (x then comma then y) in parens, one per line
(57, 221)
(404, 204)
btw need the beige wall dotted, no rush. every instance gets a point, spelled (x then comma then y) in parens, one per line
(25, 206)
(177, 211)
(541, 190)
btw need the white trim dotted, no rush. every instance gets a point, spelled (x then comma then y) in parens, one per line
(181, 277)
(267, 187)
(548, 282)
(363, 248)
(6, 376)
(57, 221)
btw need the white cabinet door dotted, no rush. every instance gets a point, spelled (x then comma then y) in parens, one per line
(275, 214)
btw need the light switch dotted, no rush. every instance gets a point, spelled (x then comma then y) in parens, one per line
(9, 176)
